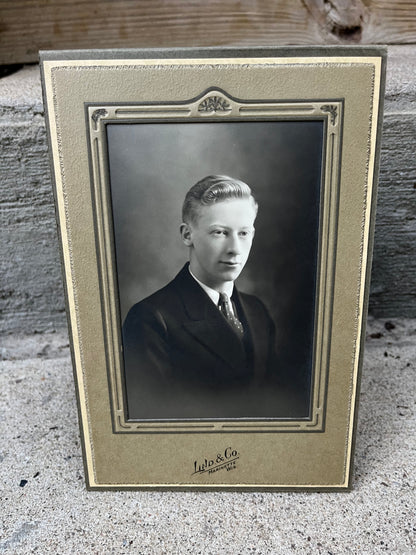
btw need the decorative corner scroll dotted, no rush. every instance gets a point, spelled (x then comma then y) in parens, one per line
(97, 114)
(214, 104)
(332, 109)
(122, 424)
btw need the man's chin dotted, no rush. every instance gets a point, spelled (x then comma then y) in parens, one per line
(231, 274)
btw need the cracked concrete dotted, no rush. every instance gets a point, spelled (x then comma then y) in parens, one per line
(45, 507)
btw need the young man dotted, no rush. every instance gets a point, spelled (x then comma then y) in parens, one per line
(198, 347)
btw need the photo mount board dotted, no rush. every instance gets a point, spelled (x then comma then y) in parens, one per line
(87, 92)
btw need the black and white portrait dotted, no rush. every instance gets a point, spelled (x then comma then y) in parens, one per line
(216, 235)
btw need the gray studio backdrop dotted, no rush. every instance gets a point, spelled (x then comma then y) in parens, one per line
(152, 165)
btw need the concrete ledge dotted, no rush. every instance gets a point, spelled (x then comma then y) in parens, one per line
(46, 508)
(31, 296)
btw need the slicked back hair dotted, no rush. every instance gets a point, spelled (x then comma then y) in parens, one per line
(212, 189)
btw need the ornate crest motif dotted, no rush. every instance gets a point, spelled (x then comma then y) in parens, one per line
(97, 114)
(214, 104)
(332, 110)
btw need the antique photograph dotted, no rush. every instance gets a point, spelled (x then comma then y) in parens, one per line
(215, 211)
(216, 229)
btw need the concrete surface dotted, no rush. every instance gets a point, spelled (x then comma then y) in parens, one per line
(46, 509)
(31, 296)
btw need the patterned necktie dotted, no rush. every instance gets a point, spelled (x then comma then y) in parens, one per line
(224, 305)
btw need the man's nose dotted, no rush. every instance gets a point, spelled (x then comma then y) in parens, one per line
(234, 243)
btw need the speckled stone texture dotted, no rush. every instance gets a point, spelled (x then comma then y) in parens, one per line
(45, 507)
(31, 293)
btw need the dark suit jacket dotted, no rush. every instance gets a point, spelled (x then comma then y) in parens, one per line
(183, 360)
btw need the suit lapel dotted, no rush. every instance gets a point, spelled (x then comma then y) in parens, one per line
(206, 324)
(259, 335)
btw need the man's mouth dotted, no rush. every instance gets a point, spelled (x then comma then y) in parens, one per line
(230, 264)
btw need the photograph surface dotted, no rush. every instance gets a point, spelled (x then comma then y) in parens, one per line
(249, 227)
(216, 212)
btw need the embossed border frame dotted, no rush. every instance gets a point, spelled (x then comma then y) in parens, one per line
(88, 264)
(216, 105)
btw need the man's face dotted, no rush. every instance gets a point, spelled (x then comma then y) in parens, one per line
(220, 241)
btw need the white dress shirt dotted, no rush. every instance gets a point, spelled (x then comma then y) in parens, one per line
(212, 293)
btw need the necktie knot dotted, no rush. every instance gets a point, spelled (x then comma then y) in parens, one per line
(226, 308)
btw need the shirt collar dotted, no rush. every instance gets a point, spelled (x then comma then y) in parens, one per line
(212, 293)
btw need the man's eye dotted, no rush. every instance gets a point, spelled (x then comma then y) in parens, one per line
(244, 233)
(219, 232)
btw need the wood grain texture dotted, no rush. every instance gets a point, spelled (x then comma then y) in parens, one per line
(31, 293)
(393, 284)
(27, 26)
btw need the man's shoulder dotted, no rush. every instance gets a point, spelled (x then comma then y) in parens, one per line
(254, 305)
(252, 300)
(165, 298)
(157, 299)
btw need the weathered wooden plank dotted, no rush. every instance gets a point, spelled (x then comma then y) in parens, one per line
(26, 26)
(393, 284)
(31, 294)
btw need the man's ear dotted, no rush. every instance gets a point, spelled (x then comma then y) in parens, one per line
(186, 234)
